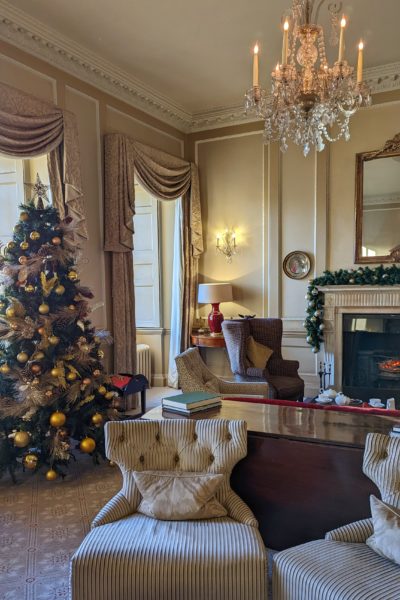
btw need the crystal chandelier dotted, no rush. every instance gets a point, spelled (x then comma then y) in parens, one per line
(309, 102)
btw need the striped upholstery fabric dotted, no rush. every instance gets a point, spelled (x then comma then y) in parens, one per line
(129, 556)
(194, 376)
(328, 570)
(343, 567)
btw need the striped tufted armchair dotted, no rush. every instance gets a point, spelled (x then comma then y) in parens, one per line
(129, 556)
(342, 566)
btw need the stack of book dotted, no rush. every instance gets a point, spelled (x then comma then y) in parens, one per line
(395, 430)
(190, 403)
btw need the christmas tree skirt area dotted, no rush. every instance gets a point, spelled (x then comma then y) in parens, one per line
(43, 522)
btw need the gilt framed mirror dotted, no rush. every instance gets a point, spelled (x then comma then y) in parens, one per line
(378, 204)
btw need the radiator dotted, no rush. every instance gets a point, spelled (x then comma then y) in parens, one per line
(143, 358)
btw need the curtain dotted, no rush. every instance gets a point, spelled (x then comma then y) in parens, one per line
(30, 127)
(178, 271)
(166, 177)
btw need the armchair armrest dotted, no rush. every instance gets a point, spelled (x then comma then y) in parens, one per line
(280, 366)
(255, 372)
(239, 511)
(356, 533)
(116, 508)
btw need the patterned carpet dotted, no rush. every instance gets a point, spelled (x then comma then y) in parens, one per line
(42, 523)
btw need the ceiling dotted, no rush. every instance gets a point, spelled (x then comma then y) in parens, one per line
(198, 53)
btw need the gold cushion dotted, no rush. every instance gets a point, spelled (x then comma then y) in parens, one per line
(257, 353)
(386, 537)
(179, 496)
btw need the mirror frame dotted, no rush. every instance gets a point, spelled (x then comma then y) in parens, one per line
(391, 148)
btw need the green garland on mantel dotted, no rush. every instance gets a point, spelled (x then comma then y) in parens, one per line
(315, 308)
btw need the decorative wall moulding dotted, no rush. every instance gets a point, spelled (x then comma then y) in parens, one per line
(32, 36)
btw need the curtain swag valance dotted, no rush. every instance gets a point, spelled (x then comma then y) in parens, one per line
(31, 127)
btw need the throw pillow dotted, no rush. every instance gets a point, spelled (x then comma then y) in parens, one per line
(257, 353)
(386, 537)
(179, 496)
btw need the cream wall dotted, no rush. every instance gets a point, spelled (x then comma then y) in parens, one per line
(98, 113)
(279, 203)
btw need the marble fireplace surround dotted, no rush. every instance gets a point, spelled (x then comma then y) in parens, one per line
(342, 299)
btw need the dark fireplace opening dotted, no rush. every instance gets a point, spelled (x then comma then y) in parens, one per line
(371, 356)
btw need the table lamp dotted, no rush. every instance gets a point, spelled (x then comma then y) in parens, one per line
(214, 293)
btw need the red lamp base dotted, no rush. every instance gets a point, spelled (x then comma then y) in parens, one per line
(215, 319)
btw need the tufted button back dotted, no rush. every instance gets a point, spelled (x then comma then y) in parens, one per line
(382, 465)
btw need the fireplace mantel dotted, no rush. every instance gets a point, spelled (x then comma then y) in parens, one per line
(341, 299)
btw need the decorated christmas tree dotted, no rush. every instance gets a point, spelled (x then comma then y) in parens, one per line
(53, 390)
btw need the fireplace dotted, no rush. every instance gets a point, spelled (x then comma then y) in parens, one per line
(362, 340)
(371, 356)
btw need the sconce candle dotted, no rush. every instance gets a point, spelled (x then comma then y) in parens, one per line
(255, 66)
(285, 44)
(360, 62)
(343, 24)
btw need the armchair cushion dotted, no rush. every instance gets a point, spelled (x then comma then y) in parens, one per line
(386, 537)
(179, 496)
(258, 354)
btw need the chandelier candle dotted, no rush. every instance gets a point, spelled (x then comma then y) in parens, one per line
(343, 24)
(285, 44)
(360, 62)
(255, 66)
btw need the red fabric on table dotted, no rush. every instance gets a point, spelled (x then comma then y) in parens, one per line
(120, 381)
(364, 409)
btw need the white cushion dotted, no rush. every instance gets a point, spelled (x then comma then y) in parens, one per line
(386, 537)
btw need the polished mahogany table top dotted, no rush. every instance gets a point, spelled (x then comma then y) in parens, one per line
(205, 340)
(293, 422)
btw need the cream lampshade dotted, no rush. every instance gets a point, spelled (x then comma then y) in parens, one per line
(214, 293)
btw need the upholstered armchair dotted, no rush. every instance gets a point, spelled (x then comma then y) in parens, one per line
(280, 374)
(194, 376)
(128, 555)
(343, 566)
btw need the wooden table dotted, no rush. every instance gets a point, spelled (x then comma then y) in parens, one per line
(303, 472)
(205, 340)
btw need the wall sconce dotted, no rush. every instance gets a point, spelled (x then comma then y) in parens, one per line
(226, 244)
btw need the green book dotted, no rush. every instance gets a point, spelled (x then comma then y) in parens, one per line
(190, 400)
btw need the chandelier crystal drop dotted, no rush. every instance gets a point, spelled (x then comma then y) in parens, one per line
(309, 102)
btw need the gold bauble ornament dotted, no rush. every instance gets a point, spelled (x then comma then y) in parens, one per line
(100, 354)
(57, 419)
(44, 308)
(4, 369)
(109, 395)
(48, 393)
(36, 369)
(21, 439)
(29, 288)
(72, 275)
(23, 216)
(10, 312)
(38, 355)
(87, 445)
(23, 260)
(102, 390)
(11, 245)
(53, 340)
(31, 461)
(59, 290)
(17, 228)
(22, 357)
(97, 419)
(34, 235)
(51, 475)
(71, 376)
(41, 331)
(24, 245)
(87, 381)
(55, 372)
(96, 373)
(56, 241)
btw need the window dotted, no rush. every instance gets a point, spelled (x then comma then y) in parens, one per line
(146, 259)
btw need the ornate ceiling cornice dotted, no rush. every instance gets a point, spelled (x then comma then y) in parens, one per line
(29, 34)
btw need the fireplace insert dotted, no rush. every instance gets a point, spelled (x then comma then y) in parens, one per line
(371, 356)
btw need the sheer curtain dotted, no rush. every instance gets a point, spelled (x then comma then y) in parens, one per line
(177, 296)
